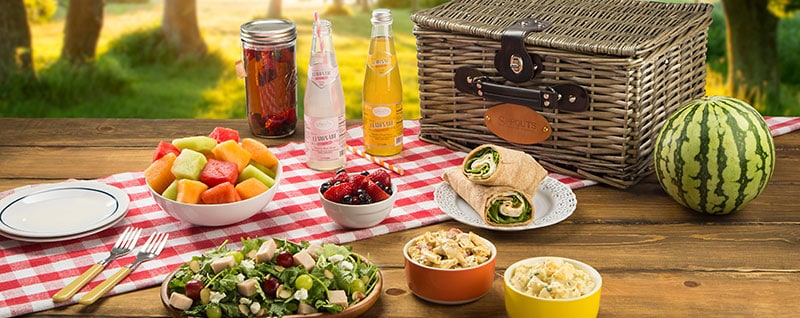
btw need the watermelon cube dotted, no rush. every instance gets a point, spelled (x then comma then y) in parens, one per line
(196, 143)
(252, 172)
(222, 134)
(230, 150)
(188, 165)
(222, 193)
(158, 174)
(250, 188)
(164, 148)
(217, 172)
(260, 153)
(189, 191)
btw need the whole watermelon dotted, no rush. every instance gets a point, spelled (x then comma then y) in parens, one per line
(714, 155)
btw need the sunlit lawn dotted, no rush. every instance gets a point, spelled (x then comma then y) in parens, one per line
(210, 89)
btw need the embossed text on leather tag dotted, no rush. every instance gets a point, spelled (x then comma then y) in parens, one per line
(517, 124)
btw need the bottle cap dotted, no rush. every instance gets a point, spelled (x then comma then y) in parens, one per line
(381, 16)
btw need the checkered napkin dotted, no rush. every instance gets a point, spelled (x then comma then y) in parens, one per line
(30, 273)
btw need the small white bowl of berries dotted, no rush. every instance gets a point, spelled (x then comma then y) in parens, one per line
(358, 200)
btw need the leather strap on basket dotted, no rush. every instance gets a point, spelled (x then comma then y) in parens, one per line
(513, 60)
(564, 97)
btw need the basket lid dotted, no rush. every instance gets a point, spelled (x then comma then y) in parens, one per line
(627, 28)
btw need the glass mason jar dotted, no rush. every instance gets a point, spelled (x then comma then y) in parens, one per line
(271, 76)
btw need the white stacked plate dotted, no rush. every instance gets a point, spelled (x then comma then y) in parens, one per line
(61, 211)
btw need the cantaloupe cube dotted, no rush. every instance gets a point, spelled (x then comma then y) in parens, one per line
(172, 191)
(189, 191)
(250, 188)
(270, 172)
(252, 172)
(188, 164)
(230, 151)
(260, 153)
(158, 174)
(196, 143)
(222, 193)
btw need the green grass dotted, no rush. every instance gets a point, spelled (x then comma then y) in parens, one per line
(135, 77)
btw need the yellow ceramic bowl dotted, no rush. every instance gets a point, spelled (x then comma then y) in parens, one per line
(519, 304)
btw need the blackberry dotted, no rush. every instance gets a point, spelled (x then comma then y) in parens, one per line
(341, 170)
(365, 173)
(388, 190)
(364, 198)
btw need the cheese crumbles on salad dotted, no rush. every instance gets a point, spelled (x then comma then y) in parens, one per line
(271, 278)
(551, 279)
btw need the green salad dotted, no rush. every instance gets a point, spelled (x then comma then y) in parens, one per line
(271, 278)
(509, 208)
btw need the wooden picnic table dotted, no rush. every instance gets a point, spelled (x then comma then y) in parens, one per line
(656, 258)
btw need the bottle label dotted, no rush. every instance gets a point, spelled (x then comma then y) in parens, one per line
(383, 125)
(325, 137)
(322, 74)
(381, 62)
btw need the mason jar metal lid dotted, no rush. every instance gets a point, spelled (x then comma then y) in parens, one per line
(269, 31)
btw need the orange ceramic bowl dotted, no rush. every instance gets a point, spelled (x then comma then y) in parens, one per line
(449, 286)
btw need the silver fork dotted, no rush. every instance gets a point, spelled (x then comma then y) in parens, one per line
(124, 245)
(150, 250)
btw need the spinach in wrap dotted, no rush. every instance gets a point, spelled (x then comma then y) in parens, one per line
(498, 205)
(495, 165)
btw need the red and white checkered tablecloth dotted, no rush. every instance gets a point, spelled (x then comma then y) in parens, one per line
(30, 273)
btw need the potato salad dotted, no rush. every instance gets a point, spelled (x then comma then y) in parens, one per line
(551, 279)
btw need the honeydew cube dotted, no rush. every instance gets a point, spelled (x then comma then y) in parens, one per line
(158, 174)
(231, 151)
(189, 164)
(189, 191)
(250, 188)
(172, 191)
(196, 143)
(264, 169)
(260, 153)
(252, 172)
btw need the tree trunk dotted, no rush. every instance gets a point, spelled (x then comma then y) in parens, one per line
(82, 30)
(753, 68)
(274, 10)
(180, 29)
(16, 57)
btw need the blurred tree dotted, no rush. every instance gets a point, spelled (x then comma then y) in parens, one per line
(275, 8)
(364, 5)
(753, 68)
(16, 55)
(180, 29)
(82, 30)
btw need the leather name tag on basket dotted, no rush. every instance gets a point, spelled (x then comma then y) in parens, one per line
(517, 124)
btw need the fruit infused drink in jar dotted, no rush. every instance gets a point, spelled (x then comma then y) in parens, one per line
(382, 109)
(323, 112)
(271, 76)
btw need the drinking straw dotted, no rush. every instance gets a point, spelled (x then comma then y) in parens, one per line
(377, 161)
(319, 31)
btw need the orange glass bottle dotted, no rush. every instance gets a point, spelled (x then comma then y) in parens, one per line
(382, 106)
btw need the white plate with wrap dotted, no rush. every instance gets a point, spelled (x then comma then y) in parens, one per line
(553, 203)
(61, 211)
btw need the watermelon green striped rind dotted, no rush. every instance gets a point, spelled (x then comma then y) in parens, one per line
(714, 155)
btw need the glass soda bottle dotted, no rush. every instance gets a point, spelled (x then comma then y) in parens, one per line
(324, 107)
(382, 99)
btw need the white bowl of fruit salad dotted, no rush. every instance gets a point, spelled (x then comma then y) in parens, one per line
(213, 180)
(359, 200)
(271, 277)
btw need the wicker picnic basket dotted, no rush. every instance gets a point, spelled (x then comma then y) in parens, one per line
(632, 62)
